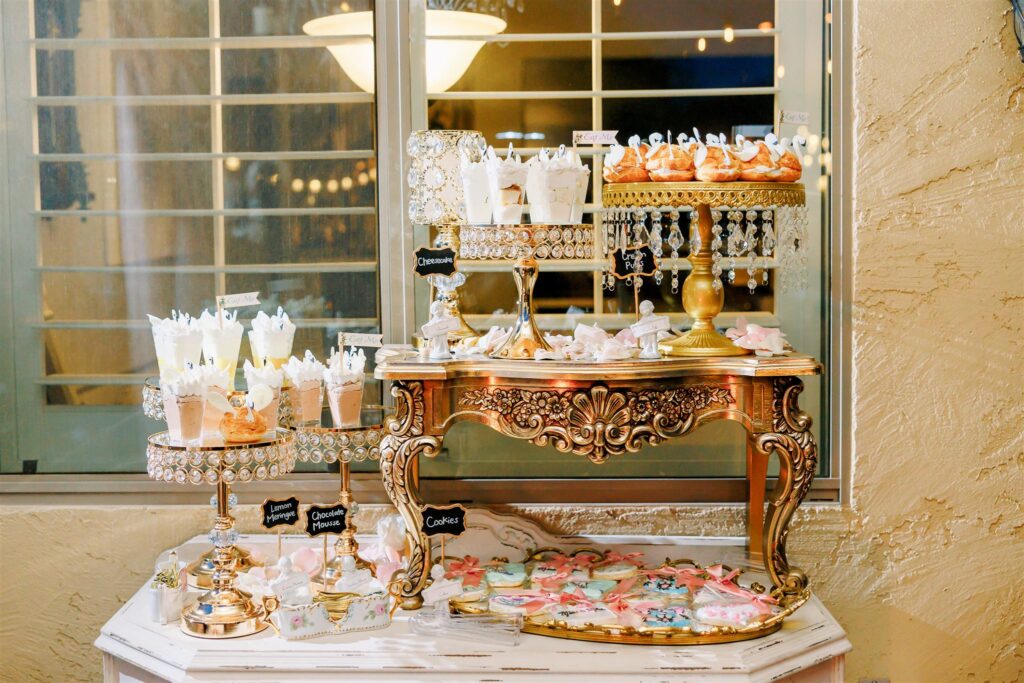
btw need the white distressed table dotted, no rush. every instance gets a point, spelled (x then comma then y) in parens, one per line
(809, 649)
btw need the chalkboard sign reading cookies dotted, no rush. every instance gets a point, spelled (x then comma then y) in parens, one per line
(633, 261)
(435, 261)
(450, 519)
(278, 512)
(325, 519)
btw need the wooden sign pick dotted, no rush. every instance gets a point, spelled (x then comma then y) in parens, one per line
(625, 262)
(439, 261)
(447, 519)
(279, 512)
(325, 519)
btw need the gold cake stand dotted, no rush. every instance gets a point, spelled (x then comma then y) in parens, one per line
(224, 611)
(527, 245)
(343, 445)
(200, 571)
(703, 295)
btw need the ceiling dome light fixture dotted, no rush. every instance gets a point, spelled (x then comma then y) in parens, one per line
(447, 60)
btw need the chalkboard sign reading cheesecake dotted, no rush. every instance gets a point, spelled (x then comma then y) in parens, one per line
(325, 519)
(633, 261)
(440, 261)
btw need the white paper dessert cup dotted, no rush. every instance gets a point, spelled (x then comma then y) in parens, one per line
(476, 192)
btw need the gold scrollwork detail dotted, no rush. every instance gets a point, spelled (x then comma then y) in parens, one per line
(792, 440)
(400, 448)
(596, 422)
(734, 195)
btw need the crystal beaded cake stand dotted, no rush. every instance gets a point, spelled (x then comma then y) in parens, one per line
(703, 294)
(527, 244)
(200, 572)
(223, 611)
(343, 445)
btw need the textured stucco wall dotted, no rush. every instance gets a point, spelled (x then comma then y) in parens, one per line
(923, 569)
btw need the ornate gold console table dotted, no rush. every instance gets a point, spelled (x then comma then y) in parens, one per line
(605, 410)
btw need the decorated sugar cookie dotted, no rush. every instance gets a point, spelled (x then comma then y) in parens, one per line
(672, 617)
(506, 575)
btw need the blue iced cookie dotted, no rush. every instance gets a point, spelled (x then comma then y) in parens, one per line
(507, 575)
(665, 585)
(667, 617)
(593, 590)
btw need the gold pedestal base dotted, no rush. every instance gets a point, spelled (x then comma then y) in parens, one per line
(525, 338)
(200, 572)
(702, 343)
(223, 613)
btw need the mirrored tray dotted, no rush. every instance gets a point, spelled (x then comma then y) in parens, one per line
(696, 633)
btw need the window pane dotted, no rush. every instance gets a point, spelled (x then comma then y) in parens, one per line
(173, 166)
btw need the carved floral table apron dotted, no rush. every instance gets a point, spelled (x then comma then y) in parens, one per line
(599, 410)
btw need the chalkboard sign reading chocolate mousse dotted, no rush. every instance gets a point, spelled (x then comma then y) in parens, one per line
(633, 261)
(440, 261)
(325, 519)
(450, 519)
(278, 512)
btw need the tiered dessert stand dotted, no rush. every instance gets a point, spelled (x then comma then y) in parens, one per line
(528, 245)
(223, 611)
(753, 220)
(200, 571)
(343, 445)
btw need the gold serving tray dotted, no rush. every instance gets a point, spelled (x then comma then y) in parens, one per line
(541, 625)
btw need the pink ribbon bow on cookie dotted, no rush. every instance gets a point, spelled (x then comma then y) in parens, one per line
(690, 577)
(559, 561)
(469, 570)
(554, 582)
(626, 605)
(723, 582)
(612, 557)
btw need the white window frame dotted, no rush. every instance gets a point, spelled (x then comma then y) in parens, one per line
(400, 109)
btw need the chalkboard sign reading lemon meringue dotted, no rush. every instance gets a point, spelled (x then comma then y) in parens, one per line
(278, 512)
(328, 519)
(440, 261)
(449, 519)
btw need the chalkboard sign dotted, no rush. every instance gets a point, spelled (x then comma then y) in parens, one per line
(439, 261)
(450, 519)
(624, 263)
(327, 519)
(278, 512)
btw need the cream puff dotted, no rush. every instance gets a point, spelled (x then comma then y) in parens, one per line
(759, 163)
(790, 168)
(668, 163)
(714, 162)
(626, 164)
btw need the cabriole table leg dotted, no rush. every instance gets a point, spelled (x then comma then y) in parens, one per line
(403, 444)
(791, 439)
